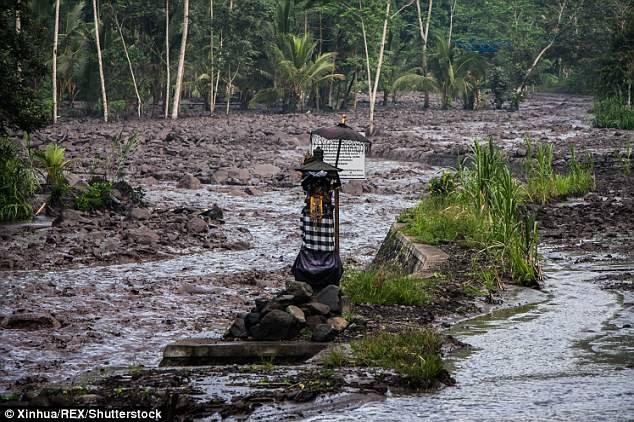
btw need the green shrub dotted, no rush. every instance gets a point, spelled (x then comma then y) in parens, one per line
(381, 288)
(52, 159)
(97, 196)
(17, 183)
(612, 113)
(443, 185)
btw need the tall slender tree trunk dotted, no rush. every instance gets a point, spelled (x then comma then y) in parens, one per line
(520, 88)
(367, 58)
(54, 76)
(377, 74)
(451, 13)
(127, 56)
(212, 102)
(167, 58)
(104, 99)
(181, 61)
(424, 35)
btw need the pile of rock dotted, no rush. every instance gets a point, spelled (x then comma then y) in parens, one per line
(296, 312)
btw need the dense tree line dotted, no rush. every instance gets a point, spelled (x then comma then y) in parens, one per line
(116, 57)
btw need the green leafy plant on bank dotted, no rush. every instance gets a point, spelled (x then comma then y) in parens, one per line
(53, 160)
(611, 112)
(17, 183)
(384, 288)
(412, 353)
(97, 196)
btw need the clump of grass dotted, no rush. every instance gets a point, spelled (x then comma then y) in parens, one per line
(335, 358)
(17, 183)
(543, 184)
(611, 112)
(441, 219)
(413, 353)
(384, 288)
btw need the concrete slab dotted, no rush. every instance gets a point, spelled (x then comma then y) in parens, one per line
(403, 252)
(201, 351)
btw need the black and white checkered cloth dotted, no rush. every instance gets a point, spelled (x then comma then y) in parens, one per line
(318, 235)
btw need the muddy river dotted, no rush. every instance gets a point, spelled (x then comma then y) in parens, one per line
(122, 315)
(568, 357)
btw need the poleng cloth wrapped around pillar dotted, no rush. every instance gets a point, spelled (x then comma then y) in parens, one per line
(318, 261)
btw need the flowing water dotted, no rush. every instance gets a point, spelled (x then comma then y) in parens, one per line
(569, 357)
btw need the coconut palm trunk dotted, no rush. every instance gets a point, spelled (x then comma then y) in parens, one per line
(104, 99)
(54, 76)
(424, 35)
(181, 61)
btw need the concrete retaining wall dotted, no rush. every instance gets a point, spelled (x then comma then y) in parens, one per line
(402, 253)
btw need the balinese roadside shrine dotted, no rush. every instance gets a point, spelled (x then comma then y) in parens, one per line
(338, 153)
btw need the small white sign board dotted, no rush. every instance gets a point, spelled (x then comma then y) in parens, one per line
(351, 155)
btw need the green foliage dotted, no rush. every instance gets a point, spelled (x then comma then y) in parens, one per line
(612, 113)
(443, 185)
(297, 72)
(485, 212)
(17, 183)
(22, 65)
(500, 86)
(438, 220)
(335, 358)
(53, 161)
(381, 288)
(97, 196)
(542, 182)
(117, 108)
(122, 150)
(413, 353)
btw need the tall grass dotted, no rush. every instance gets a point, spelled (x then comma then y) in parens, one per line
(543, 184)
(17, 183)
(611, 112)
(384, 288)
(484, 211)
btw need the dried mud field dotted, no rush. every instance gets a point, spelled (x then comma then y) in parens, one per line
(219, 227)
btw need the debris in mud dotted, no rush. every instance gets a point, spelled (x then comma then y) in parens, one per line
(292, 313)
(30, 321)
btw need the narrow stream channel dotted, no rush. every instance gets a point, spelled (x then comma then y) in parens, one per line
(570, 357)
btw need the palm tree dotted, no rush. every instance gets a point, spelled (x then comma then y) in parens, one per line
(453, 73)
(296, 72)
